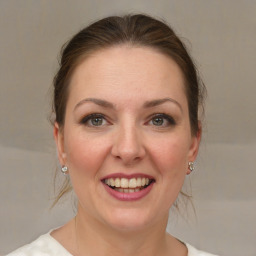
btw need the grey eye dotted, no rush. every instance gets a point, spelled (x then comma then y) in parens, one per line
(158, 121)
(94, 120)
(162, 120)
(97, 121)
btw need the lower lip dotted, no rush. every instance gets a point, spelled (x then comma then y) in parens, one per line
(128, 196)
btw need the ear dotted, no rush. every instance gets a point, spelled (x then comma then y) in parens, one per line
(194, 147)
(59, 140)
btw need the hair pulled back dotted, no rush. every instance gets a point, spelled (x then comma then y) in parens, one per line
(136, 30)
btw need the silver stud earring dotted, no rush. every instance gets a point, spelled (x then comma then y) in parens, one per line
(191, 166)
(64, 169)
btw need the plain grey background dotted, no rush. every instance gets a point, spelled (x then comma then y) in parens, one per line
(220, 34)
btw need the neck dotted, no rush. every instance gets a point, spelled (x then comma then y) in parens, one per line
(96, 238)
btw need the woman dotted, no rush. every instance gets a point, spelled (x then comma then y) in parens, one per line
(126, 100)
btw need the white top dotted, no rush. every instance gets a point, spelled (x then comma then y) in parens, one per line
(46, 245)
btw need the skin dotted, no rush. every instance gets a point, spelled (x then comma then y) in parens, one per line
(129, 139)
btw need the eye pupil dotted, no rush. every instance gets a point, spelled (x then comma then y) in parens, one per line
(97, 121)
(158, 121)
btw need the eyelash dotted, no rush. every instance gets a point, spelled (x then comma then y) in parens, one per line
(170, 120)
(85, 120)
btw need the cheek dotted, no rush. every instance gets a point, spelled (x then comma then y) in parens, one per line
(170, 155)
(171, 163)
(85, 154)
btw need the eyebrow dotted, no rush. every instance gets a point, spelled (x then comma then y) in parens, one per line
(102, 103)
(157, 102)
(147, 104)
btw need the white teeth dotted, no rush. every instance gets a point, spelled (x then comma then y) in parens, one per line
(138, 182)
(123, 183)
(112, 182)
(127, 190)
(117, 183)
(132, 183)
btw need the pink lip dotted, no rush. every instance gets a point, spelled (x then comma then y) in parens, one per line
(128, 196)
(127, 176)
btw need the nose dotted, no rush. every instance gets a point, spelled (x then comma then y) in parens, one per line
(127, 145)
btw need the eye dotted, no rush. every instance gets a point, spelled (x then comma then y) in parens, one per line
(162, 120)
(93, 120)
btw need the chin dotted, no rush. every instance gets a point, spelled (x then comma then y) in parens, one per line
(129, 220)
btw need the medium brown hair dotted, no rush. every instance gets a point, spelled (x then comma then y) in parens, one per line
(135, 30)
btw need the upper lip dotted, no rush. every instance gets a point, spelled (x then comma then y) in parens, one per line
(128, 176)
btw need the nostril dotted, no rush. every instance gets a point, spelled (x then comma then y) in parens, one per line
(127, 146)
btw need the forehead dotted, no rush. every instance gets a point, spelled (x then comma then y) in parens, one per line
(124, 71)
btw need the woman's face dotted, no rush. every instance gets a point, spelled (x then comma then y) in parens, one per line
(126, 126)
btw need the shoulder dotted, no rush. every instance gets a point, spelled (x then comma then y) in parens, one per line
(192, 251)
(45, 245)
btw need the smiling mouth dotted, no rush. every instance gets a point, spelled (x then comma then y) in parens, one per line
(125, 185)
